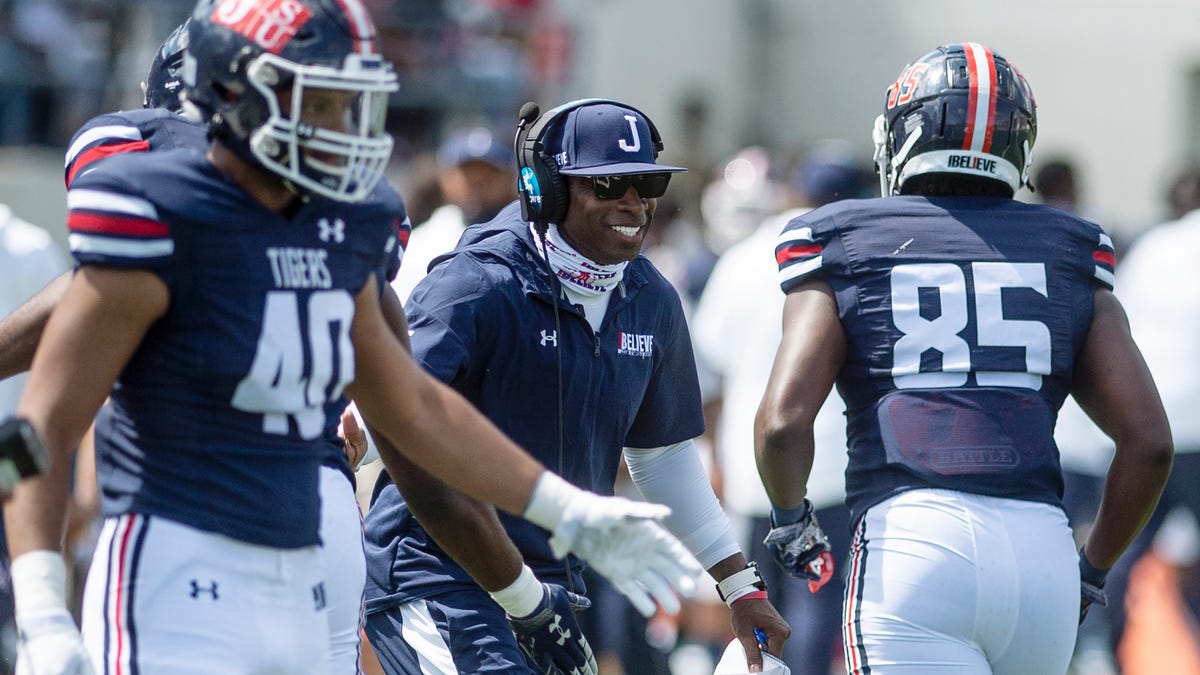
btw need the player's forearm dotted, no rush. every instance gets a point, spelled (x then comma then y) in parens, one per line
(784, 457)
(1131, 492)
(21, 330)
(35, 515)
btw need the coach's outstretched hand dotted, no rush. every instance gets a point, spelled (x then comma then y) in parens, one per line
(622, 539)
(48, 640)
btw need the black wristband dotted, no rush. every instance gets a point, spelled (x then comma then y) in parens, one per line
(1090, 574)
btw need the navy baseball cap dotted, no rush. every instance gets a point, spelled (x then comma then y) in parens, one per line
(604, 140)
(476, 144)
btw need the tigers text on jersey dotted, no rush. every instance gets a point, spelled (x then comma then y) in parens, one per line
(483, 322)
(963, 318)
(218, 419)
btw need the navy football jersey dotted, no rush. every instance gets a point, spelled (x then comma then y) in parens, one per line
(157, 129)
(963, 318)
(218, 421)
(142, 130)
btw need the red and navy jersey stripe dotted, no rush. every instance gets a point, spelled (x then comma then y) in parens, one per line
(120, 133)
(1105, 259)
(797, 254)
(116, 227)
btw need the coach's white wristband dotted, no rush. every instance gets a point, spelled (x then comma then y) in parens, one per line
(522, 596)
(39, 580)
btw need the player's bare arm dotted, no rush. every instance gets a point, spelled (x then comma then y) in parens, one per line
(21, 329)
(96, 327)
(810, 355)
(1114, 386)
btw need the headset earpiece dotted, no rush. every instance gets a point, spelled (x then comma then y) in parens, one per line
(542, 190)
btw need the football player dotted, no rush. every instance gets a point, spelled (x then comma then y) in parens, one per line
(954, 320)
(160, 126)
(232, 297)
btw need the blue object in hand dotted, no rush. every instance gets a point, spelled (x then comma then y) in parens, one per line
(761, 636)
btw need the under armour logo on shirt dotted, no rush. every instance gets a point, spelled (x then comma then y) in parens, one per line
(335, 230)
(550, 337)
(197, 589)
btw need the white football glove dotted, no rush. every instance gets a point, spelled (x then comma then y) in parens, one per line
(49, 642)
(622, 539)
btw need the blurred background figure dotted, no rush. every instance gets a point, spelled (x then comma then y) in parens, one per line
(1056, 186)
(1156, 284)
(477, 176)
(745, 190)
(29, 259)
(736, 330)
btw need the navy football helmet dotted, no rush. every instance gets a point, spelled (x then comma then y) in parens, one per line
(961, 109)
(162, 86)
(250, 73)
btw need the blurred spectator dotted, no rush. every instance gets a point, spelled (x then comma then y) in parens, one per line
(477, 176)
(1157, 286)
(677, 248)
(1056, 186)
(743, 192)
(29, 259)
(1183, 193)
(21, 69)
(737, 329)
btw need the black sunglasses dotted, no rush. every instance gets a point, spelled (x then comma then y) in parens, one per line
(648, 185)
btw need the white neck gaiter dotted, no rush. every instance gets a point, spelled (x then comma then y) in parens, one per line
(584, 276)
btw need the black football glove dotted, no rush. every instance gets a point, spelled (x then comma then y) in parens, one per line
(802, 549)
(551, 636)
